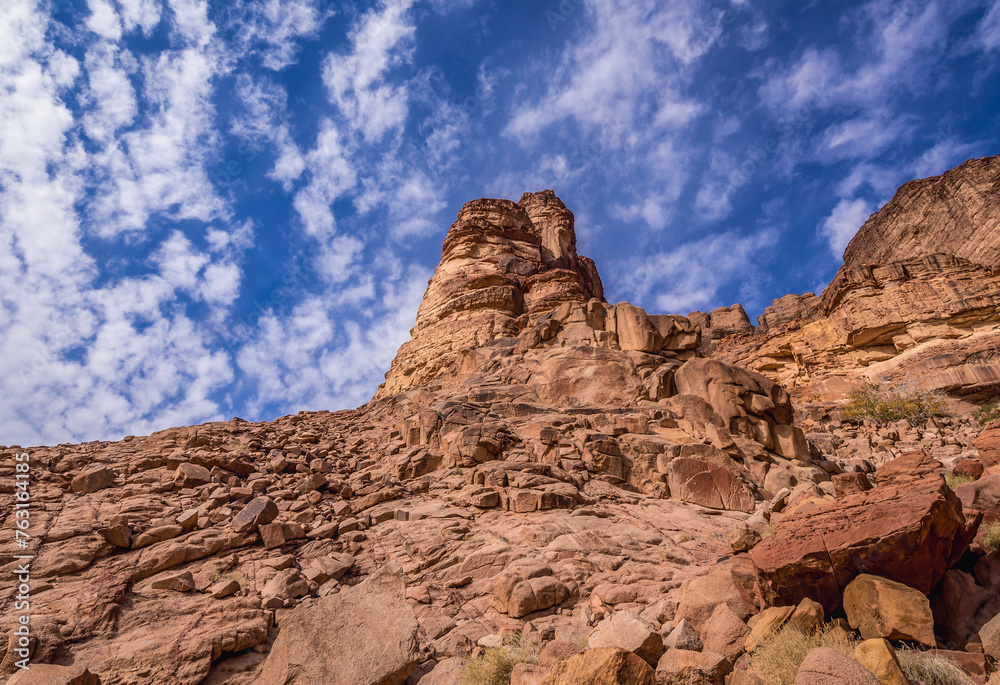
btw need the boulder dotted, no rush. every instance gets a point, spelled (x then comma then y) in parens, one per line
(554, 651)
(845, 484)
(681, 667)
(446, 672)
(602, 666)
(683, 636)
(913, 464)
(50, 674)
(92, 480)
(706, 475)
(981, 495)
(288, 584)
(178, 582)
(882, 608)
(525, 587)
(824, 666)
(878, 656)
(624, 630)
(190, 475)
(988, 445)
(724, 633)
(768, 623)
(699, 596)
(968, 468)
(258, 512)
(742, 538)
(989, 634)
(955, 604)
(364, 635)
(910, 532)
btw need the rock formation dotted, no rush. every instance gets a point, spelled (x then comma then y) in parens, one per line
(956, 213)
(915, 301)
(539, 462)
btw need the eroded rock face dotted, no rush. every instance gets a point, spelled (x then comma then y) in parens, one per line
(503, 264)
(955, 213)
(915, 301)
(366, 635)
(940, 310)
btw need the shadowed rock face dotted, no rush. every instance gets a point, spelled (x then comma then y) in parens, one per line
(957, 213)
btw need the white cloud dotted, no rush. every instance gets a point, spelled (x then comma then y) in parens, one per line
(988, 31)
(356, 80)
(140, 14)
(632, 50)
(331, 176)
(690, 276)
(109, 98)
(103, 19)
(161, 164)
(943, 156)
(843, 223)
(273, 29)
(315, 357)
(860, 137)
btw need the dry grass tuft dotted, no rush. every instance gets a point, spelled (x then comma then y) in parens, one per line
(929, 669)
(887, 402)
(778, 659)
(954, 481)
(990, 539)
(494, 666)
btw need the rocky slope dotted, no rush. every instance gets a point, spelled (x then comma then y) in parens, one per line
(539, 462)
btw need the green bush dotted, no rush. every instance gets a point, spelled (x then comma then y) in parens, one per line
(929, 669)
(778, 658)
(885, 402)
(985, 414)
(494, 666)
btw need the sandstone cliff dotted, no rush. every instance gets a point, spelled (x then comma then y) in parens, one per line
(956, 213)
(915, 301)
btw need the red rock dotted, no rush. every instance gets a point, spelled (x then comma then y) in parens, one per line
(968, 468)
(824, 666)
(258, 512)
(988, 445)
(603, 666)
(913, 464)
(908, 532)
(705, 475)
(845, 484)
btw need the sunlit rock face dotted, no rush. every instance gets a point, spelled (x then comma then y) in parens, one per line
(956, 213)
(503, 266)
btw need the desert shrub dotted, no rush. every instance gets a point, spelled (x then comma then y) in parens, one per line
(929, 669)
(768, 531)
(991, 537)
(985, 414)
(886, 402)
(493, 666)
(778, 658)
(954, 481)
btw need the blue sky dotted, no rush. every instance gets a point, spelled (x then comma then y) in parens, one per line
(232, 208)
